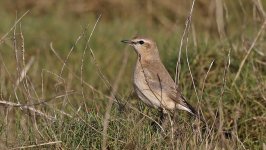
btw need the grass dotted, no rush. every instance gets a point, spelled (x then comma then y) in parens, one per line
(77, 95)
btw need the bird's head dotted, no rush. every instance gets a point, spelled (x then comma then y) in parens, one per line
(144, 47)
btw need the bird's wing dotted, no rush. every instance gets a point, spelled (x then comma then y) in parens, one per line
(160, 81)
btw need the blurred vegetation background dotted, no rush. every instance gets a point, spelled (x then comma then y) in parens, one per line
(51, 41)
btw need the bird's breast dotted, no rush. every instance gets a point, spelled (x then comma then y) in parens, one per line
(142, 89)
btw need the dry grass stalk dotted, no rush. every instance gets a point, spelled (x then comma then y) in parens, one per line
(185, 33)
(178, 65)
(259, 5)
(202, 91)
(71, 50)
(11, 104)
(102, 76)
(220, 18)
(38, 145)
(24, 71)
(75, 75)
(112, 97)
(249, 51)
(2, 39)
(81, 72)
(188, 25)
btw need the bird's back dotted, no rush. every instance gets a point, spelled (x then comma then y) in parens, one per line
(155, 87)
(153, 82)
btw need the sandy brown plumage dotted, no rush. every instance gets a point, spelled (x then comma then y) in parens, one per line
(152, 82)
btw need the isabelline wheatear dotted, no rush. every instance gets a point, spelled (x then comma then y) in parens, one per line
(152, 82)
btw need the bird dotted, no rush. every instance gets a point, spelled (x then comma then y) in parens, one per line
(152, 82)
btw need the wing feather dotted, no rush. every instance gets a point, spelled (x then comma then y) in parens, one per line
(161, 82)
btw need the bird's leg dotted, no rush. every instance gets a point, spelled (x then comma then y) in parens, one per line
(162, 116)
(160, 121)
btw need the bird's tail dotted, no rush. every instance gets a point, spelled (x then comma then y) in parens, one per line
(192, 111)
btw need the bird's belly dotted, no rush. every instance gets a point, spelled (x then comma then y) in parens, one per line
(146, 94)
(145, 99)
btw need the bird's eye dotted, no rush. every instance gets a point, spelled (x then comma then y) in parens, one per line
(141, 42)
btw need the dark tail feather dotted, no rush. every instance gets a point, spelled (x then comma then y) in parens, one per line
(194, 112)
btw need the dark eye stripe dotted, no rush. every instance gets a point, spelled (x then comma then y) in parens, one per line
(141, 42)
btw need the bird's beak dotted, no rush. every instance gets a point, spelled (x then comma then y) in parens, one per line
(127, 41)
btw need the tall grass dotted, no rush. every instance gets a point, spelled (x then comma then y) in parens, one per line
(59, 83)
